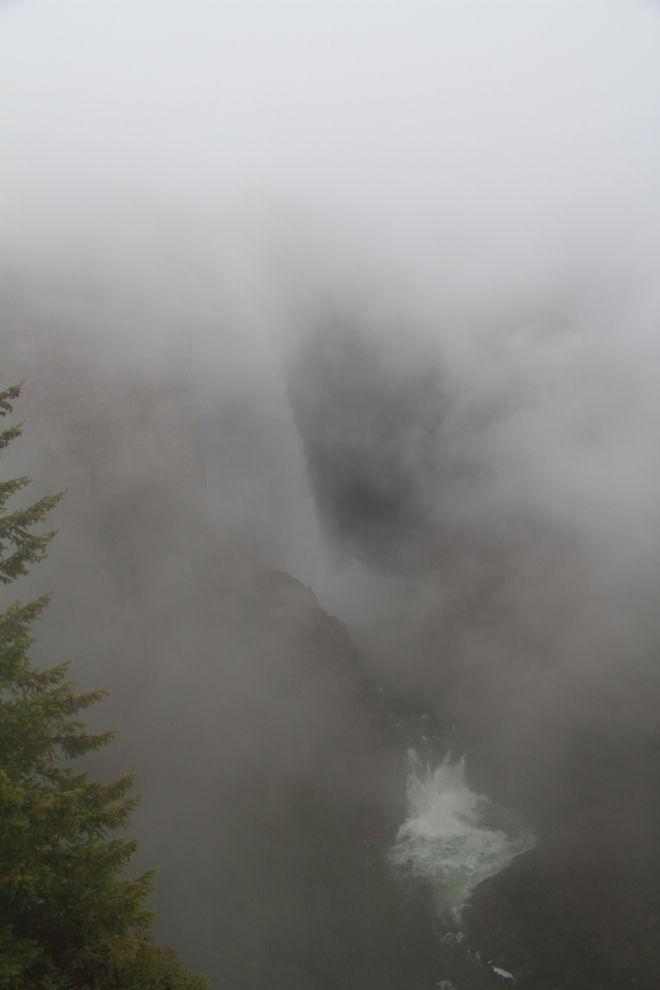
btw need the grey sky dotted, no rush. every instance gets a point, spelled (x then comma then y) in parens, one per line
(497, 125)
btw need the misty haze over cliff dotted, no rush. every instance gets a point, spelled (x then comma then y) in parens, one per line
(367, 294)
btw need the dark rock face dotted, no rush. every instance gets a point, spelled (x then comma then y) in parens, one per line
(370, 429)
(365, 763)
(579, 912)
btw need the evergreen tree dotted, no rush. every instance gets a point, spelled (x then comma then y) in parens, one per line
(67, 918)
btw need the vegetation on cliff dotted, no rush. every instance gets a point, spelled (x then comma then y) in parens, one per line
(67, 917)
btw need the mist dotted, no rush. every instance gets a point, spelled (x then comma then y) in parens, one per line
(365, 296)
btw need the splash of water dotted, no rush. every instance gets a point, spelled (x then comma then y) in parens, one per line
(454, 838)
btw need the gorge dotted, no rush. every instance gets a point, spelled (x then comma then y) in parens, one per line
(339, 322)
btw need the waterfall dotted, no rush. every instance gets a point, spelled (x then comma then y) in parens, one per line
(454, 838)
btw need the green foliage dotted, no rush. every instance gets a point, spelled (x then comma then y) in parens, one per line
(68, 921)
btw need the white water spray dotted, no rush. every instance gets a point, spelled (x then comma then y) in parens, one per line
(454, 838)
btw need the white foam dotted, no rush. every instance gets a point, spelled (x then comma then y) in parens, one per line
(453, 837)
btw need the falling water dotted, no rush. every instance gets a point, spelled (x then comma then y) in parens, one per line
(454, 838)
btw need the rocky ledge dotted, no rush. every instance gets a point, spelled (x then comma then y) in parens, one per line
(572, 915)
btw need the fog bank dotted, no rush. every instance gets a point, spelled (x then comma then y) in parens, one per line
(365, 294)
